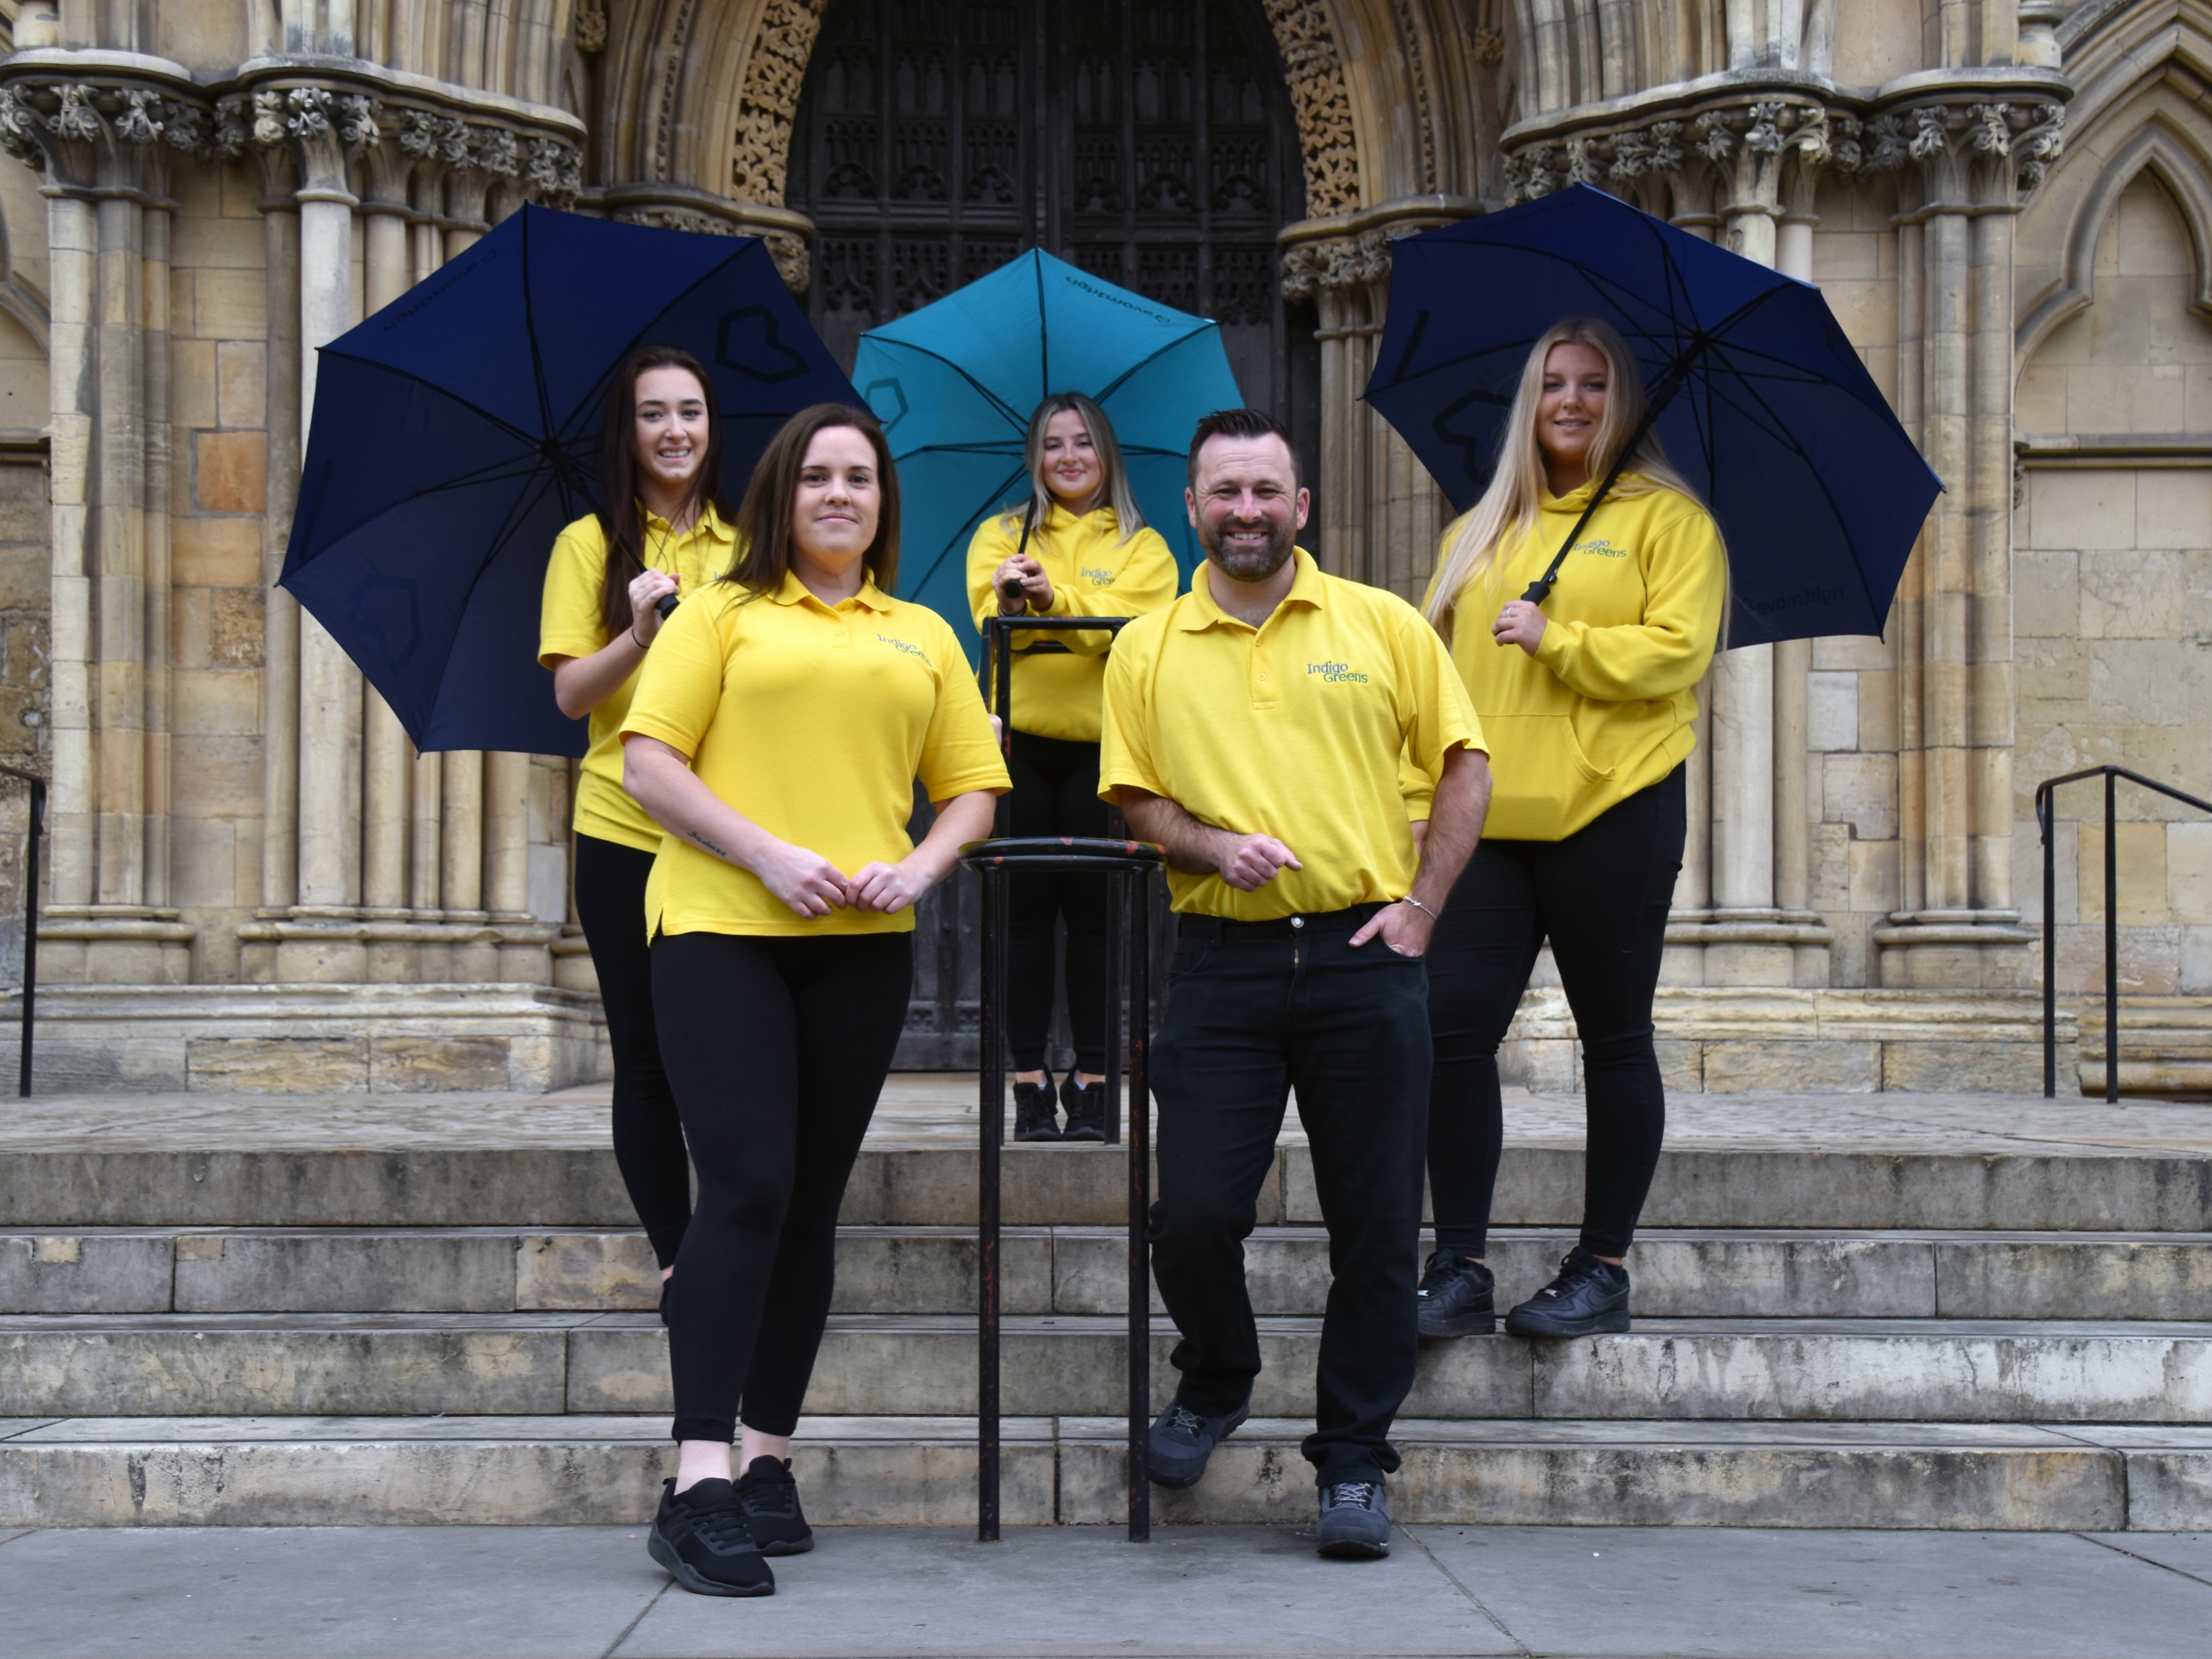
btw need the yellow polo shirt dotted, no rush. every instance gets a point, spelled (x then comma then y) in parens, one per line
(1094, 573)
(569, 625)
(814, 722)
(1294, 729)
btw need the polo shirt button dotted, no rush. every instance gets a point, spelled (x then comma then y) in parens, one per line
(1298, 921)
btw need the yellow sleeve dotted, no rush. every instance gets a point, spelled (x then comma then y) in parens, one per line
(1684, 579)
(1125, 748)
(680, 691)
(1415, 787)
(990, 548)
(569, 617)
(1148, 582)
(1438, 713)
(959, 752)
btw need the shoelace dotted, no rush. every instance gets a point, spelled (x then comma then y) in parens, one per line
(1189, 1421)
(1351, 1495)
(778, 1497)
(723, 1530)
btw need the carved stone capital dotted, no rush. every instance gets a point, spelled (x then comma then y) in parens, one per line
(1747, 148)
(1339, 263)
(116, 130)
(1969, 152)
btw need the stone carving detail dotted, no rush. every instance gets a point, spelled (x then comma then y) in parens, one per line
(19, 125)
(1761, 132)
(1342, 262)
(77, 120)
(768, 103)
(497, 153)
(1409, 32)
(1318, 93)
(591, 35)
(2025, 139)
(36, 116)
(311, 112)
(359, 123)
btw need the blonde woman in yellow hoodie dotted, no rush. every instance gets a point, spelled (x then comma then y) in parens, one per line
(1588, 700)
(1077, 547)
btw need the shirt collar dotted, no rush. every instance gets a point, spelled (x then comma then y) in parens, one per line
(1307, 588)
(795, 591)
(711, 522)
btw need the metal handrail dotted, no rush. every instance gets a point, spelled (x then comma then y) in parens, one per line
(36, 828)
(2045, 815)
(1126, 865)
(999, 655)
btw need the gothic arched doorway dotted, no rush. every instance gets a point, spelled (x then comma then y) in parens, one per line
(1150, 141)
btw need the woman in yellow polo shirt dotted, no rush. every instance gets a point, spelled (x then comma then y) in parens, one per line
(1588, 701)
(665, 531)
(1077, 547)
(783, 717)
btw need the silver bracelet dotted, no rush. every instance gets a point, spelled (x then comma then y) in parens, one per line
(1423, 908)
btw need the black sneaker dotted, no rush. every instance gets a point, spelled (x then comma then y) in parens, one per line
(665, 1283)
(1086, 1109)
(1182, 1441)
(1456, 1297)
(1355, 1521)
(700, 1537)
(1034, 1117)
(1590, 1296)
(770, 1499)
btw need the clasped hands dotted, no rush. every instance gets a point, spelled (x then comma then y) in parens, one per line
(1036, 587)
(812, 886)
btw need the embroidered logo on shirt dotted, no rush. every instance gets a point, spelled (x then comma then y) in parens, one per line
(897, 644)
(1604, 549)
(1334, 672)
(1098, 578)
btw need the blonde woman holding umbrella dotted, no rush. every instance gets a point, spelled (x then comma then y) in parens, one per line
(1077, 547)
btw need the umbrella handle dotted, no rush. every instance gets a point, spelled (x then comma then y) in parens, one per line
(664, 605)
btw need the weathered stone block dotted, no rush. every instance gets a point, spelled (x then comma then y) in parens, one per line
(1794, 1068)
(1972, 1067)
(93, 1272)
(230, 472)
(277, 1065)
(327, 1272)
(585, 1272)
(2072, 1278)
(414, 1065)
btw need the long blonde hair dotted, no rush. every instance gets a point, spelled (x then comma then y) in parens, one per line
(1509, 508)
(1115, 493)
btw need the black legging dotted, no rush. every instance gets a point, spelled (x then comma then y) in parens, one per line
(778, 1047)
(1056, 793)
(1601, 895)
(649, 1135)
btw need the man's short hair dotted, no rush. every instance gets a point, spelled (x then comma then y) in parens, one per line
(1240, 424)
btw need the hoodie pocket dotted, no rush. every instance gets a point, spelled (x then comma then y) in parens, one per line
(1542, 785)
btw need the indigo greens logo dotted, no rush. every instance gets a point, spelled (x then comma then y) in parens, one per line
(1332, 673)
(897, 644)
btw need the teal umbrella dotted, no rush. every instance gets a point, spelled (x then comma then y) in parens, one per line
(954, 383)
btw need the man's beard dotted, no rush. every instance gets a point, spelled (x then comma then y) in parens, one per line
(1248, 564)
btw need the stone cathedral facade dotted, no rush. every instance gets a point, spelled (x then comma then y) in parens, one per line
(251, 881)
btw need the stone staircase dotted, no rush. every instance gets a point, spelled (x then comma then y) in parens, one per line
(1968, 1312)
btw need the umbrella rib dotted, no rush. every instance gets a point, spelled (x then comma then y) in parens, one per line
(945, 552)
(519, 434)
(982, 391)
(551, 438)
(1122, 378)
(496, 472)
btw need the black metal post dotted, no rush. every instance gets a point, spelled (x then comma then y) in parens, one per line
(1116, 893)
(992, 1118)
(1140, 1139)
(2046, 812)
(35, 826)
(1000, 662)
(2111, 942)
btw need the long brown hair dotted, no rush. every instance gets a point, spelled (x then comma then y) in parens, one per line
(765, 517)
(1509, 507)
(620, 515)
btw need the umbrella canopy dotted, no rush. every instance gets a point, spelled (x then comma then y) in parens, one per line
(457, 430)
(1761, 398)
(954, 383)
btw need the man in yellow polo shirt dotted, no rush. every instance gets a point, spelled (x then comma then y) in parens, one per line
(1255, 729)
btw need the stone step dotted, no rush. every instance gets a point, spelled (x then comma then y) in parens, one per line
(2017, 1186)
(606, 1470)
(1679, 1273)
(1947, 1370)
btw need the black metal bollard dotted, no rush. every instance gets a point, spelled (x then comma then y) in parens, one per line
(34, 828)
(1126, 865)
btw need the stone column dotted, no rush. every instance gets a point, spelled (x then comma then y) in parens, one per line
(1970, 162)
(388, 758)
(280, 699)
(330, 729)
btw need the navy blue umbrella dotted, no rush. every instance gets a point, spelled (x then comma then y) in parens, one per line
(457, 430)
(1758, 394)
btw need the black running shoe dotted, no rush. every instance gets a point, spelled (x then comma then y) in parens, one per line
(1086, 1109)
(1456, 1297)
(1355, 1521)
(1588, 1297)
(1182, 1441)
(1034, 1117)
(770, 1499)
(700, 1537)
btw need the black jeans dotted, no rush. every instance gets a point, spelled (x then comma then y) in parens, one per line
(1055, 794)
(1601, 897)
(1254, 1011)
(648, 1134)
(778, 1047)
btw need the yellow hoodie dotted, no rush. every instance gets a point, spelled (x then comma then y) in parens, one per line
(1604, 707)
(1094, 573)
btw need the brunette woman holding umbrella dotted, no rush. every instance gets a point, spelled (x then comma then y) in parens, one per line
(665, 532)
